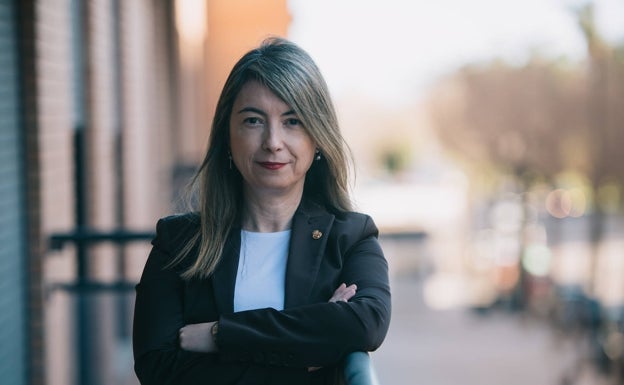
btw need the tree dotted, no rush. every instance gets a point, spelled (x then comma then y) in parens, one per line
(515, 120)
(604, 137)
(539, 120)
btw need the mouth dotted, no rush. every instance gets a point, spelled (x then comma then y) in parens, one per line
(272, 165)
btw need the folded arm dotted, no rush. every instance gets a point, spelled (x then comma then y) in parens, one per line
(319, 334)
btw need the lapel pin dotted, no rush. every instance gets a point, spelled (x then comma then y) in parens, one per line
(316, 234)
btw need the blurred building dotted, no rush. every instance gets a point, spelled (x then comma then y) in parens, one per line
(105, 108)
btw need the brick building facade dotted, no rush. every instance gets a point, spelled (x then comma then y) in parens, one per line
(101, 120)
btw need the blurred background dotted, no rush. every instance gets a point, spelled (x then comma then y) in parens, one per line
(487, 138)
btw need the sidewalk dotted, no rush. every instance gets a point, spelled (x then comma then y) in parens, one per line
(461, 347)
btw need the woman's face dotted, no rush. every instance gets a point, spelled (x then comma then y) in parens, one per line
(269, 145)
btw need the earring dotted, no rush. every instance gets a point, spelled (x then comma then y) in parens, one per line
(230, 158)
(318, 155)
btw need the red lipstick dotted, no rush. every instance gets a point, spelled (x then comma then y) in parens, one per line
(272, 165)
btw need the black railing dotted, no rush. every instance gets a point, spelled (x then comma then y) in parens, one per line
(87, 236)
(84, 284)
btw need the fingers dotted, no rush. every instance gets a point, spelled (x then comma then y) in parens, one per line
(343, 293)
(185, 337)
(196, 337)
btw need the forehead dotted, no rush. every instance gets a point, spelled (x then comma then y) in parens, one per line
(256, 94)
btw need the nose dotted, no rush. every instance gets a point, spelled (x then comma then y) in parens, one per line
(272, 140)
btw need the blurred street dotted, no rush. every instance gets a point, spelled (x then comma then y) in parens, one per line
(465, 347)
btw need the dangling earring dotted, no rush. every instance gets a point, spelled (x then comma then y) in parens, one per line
(318, 155)
(230, 158)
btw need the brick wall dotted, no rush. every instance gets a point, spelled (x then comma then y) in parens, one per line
(147, 127)
(25, 14)
(129, 96)
(127, 103)
(102, 184)
(55, 173)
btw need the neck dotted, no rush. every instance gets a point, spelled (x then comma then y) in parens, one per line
(269, 213)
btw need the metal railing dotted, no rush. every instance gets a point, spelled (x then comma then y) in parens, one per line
(84, 284)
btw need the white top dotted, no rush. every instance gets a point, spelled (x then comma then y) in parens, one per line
(261, 275)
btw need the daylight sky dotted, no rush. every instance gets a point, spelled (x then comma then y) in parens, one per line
(392, 50)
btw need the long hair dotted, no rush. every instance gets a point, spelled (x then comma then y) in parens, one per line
(291, 74)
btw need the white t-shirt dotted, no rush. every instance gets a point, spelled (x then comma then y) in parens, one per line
(261, 274)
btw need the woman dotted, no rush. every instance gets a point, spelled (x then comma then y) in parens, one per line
(274, 280)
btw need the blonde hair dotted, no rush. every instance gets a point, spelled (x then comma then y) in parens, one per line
(290, 73)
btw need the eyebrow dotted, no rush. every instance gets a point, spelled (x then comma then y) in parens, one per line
(260, 112)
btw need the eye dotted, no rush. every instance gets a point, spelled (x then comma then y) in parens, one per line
(252, 121)
(293, 122)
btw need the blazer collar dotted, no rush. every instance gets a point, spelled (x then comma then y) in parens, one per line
(308, 240)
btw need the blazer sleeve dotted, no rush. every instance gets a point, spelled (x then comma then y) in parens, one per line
(158, 316)
(319, 334)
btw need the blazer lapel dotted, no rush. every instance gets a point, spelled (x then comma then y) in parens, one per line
(224, 276)
(308, 240)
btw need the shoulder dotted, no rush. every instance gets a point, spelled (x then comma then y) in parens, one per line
(353, 231)
(180, 221)
(178, 224)
(174, 231)
(355, 223)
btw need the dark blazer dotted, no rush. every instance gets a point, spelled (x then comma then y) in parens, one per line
(264, 346)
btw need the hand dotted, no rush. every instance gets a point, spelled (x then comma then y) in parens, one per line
(197, 338)
(343, 293)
